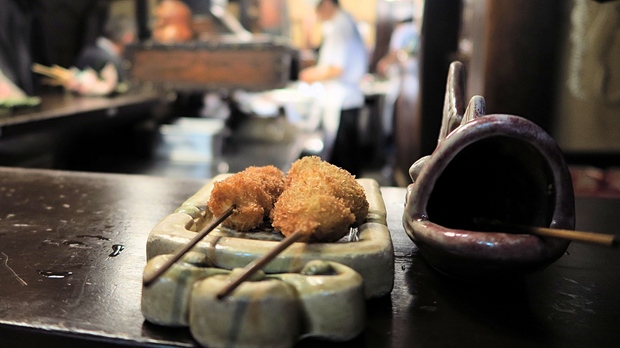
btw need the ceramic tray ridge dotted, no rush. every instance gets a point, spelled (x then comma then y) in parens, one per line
(372, 255)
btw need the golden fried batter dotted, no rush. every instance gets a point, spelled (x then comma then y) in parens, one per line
(312, 171)
(320, 216)
(320, 200)
(253, 191)
(271, 178)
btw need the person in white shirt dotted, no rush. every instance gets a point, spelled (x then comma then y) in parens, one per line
(400, 67)
(342, 63)
(404, 41)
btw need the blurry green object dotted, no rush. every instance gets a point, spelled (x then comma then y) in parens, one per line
(9, 104)
(19, 102)
(11, 96)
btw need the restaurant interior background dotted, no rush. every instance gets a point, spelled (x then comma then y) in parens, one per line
(551, 62)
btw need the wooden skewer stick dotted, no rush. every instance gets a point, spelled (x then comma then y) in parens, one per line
(55, 71)
(609, 240)
(257, 264)
(150, 278)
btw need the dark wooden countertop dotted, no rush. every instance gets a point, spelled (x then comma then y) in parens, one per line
(58, 107)
(61, 285)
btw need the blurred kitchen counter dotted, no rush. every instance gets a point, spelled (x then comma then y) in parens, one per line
(58, 108)
(43, 135)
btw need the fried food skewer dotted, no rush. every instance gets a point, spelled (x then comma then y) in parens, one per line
(321, 200)
(325, 178)
(151, 278)
(320, 203)
(241, 201)
(253, 191)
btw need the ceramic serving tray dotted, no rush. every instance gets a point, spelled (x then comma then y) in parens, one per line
(368, 249)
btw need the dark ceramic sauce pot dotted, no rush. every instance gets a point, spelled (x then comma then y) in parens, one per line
(487, 171)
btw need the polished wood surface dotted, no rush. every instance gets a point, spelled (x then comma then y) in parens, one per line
(57, 234)
(72, 251)
(59, 107)
(212, 64)
(68, 131)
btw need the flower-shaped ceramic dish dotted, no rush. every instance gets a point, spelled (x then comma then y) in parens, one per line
(325, 300)
(487, 171)
(370, 251)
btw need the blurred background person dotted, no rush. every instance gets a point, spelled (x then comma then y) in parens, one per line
(399, 65)
(404, 41)
(99, 68)
(118, 32)
(173, 22)
(341, 64)
(21, 42)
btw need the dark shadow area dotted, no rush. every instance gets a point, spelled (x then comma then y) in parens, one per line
(495, 180)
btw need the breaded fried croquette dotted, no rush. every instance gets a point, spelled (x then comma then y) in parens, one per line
(312, 171)
(319, 216)
(271, 179)
(320, 200)
(253, 191)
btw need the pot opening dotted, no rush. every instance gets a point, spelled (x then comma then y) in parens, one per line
(494, 181)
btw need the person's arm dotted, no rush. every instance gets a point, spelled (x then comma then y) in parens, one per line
(384, 63)
(319, 73)
(330, 63)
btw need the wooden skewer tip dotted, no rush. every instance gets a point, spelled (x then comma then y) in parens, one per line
(259, 263)
(151, 278)
(602, 239)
